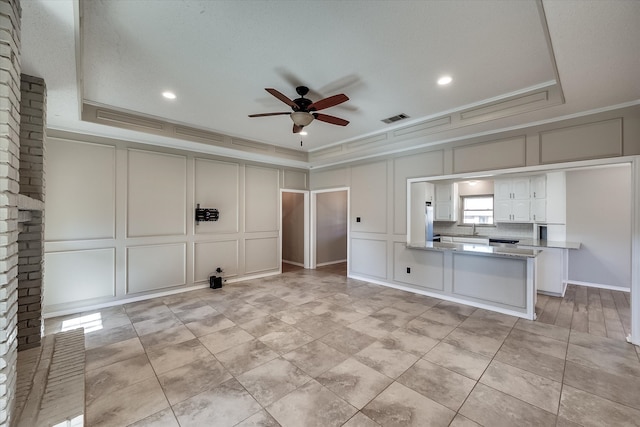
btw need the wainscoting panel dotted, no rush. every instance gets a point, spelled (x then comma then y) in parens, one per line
(74, 276)
(155, 267)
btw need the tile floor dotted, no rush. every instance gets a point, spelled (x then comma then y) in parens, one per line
(312, 348)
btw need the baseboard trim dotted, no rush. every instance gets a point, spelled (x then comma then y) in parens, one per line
(597, 285)
(293, 263)
(322, 264)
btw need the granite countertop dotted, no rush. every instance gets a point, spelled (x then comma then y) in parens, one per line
(477, 249)
(549, 244)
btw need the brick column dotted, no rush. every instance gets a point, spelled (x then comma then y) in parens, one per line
(10, 12)
(32, 184)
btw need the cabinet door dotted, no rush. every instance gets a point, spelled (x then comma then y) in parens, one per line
(502, 189)
(539, 210)
(520, 188)
(521, 210)
(443, 192)
(502, 210)
(443, 211)
(539, 187)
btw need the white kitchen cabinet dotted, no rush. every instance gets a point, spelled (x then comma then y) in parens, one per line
(512, 200)
(539, 210)
(446, 204)
(538, 186)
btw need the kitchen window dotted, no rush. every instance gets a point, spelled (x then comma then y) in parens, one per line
(477, 210)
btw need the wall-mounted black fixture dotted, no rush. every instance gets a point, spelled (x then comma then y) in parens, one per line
(206, 214)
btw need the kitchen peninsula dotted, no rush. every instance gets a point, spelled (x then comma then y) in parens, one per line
(494, 278)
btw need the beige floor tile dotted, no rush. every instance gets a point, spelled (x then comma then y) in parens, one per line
(271, 381)
(128, 405)
(589, 410)
(104, 337)
(243, 313)
(444, 316)
(460, 421)
(164, 418)
(167, 358)
(454, 307)
(459, 360)
(489, 407)
(611, 362)
(354, 382)
(167, 337)
(315, 358)
(292, 315)
(485, 326)
(106, 355)
(399, 406)
(147, 310)
(259, 419)
(246, 356)
(265, 325)
(538, 343)
(209, 325)
(429, 328)
(360, 420)
(225, 339)
(197, 311)
(342, 315)
(311, 405)
(550, 331)
(393, 316)
(287, 340)
(388, 360)
(494, 317)
(531, 388)
(438, 384)
(109, 379)
(514, 354)
(225, 405)
(193, 378)
(156, 324)
(317, 326)
(618, 388)
(604, 345)
(347, 340)
(475, 343)
(412, 308)
(373, 327)
(411, 342)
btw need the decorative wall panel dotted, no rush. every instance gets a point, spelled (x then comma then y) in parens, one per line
(81, 180)
(79, 275)
(155, 267)
(156, 194)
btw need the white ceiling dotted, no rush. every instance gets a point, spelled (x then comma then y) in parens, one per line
(218, 56)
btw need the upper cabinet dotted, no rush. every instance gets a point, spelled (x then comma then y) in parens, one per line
(446, 204)
(538, 198)
(512, 200)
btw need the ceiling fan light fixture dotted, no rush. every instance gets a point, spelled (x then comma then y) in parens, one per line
(301, 118)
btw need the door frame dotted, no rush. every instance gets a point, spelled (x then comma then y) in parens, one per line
(306, 226)
(314, 223)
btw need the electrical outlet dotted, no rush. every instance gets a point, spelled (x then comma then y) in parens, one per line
(358, 219)
(408, 270)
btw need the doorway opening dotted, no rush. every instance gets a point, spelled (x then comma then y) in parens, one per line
(294, 235)
(330, 230)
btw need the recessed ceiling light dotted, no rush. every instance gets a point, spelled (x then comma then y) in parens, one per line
(169, 95)
(444, 80)
(303, 132)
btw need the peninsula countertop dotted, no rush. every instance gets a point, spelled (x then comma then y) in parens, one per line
(476, 249)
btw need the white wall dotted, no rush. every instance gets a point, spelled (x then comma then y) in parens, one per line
(120, 220)
(599, 216)
(331, 227)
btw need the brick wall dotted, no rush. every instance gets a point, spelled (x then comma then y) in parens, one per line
(10, 12)
(32, 184)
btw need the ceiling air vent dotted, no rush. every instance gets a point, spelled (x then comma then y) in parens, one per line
(395, 118)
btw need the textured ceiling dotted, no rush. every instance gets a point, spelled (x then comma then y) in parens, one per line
(218, 56)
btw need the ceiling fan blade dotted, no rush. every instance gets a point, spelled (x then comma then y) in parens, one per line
(269, 114)
(330, 119)
(282, 97)
(297, 128)
(328, 102)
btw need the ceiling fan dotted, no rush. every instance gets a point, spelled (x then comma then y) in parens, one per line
(304, 110)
